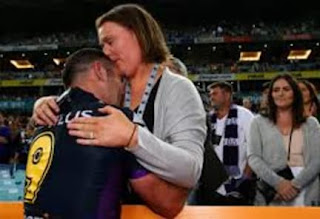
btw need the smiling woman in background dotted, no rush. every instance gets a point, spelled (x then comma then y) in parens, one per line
(284, 148)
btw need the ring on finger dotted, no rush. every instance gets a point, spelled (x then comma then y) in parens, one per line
(91, 135)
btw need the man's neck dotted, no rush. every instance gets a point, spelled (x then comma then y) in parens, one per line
(223, 111)
(88, 86)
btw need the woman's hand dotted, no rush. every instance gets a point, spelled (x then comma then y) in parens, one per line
(112, 130)
(45, 110)
(286, 191)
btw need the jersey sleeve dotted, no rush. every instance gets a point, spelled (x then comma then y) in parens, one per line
(134, 170)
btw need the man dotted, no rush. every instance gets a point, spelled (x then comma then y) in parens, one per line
(230, 125)
(64, 179)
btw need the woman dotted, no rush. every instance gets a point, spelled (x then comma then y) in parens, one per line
(286, 138)
(169, 138)
(310, 99)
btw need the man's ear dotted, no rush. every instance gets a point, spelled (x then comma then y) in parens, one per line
(227, 94)
(99, 70)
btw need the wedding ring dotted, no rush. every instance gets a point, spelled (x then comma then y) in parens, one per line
(91, 135)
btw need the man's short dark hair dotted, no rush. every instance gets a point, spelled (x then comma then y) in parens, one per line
(80, 61)
(222, 85)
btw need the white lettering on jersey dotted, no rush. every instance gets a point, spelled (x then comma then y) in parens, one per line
(66, 118)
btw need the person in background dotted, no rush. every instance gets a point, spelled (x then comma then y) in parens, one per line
(310, 100)
(22, 141)
(230, 125)
(246, 103)
(284, 148)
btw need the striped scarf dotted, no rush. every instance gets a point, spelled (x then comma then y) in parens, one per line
(230, 141)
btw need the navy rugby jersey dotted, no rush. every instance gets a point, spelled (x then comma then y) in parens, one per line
(68, 180)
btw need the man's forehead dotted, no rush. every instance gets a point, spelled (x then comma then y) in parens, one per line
(215, 89)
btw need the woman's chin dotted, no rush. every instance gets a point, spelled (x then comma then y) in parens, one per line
(121, 73)
(127, 74)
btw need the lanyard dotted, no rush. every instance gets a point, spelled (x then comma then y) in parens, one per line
(289, 144)
(138, 116)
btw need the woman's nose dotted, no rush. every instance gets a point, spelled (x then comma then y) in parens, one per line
(106, 50)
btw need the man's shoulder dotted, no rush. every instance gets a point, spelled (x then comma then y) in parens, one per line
(42, 130)
(244, 112)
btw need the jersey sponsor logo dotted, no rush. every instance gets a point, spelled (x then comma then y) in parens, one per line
(38, 164)
(66, 118)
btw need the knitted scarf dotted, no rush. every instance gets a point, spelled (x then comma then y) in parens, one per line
(230, 141)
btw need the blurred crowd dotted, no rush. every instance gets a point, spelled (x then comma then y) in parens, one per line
(75, 38)
(193, 68)
(26, 75)
(253, 67)
(260, 28)
(15, 136)
(174, 35)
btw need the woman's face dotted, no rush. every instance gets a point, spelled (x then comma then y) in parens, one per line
(305, 93)
(122, 47)
(282, 94)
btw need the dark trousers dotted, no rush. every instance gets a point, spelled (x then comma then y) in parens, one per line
(218, 199)
(208, 197)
